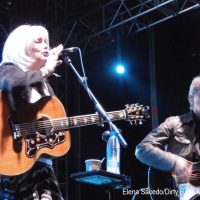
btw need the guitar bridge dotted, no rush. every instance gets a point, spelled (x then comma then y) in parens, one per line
(17, 144)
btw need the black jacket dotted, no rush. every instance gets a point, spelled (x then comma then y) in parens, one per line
(16, 84)
(175, 136)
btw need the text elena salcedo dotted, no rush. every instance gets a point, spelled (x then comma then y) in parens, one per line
(146, 191)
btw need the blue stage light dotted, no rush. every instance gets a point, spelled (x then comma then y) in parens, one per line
(120, 69)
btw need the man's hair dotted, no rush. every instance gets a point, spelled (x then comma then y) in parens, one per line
(194, 89)
(17, 47)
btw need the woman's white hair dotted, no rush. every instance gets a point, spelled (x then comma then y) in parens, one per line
(194, 89)
(17, 47)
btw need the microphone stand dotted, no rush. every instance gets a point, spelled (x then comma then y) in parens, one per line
(98, 107)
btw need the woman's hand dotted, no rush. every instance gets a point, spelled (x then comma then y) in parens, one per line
(52, 61)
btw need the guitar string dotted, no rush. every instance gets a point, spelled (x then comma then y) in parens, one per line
(78, 120)
(27, 128)
(193, 178)
(30, 127)
(192, 175)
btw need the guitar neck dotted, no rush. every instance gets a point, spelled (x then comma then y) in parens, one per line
(85, 120)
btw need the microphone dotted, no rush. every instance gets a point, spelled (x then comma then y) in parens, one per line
(65, 52)
(70, 50)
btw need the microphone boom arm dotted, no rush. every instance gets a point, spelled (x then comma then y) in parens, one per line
(98, 107)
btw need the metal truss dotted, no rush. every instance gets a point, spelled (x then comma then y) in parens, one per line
(90, 24)
(119, 19)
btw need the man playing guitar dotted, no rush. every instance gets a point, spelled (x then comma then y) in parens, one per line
(172, 151)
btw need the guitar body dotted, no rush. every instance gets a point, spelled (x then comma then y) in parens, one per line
(16, 161)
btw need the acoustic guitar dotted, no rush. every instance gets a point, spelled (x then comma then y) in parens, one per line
(42, 129)
(169, 186)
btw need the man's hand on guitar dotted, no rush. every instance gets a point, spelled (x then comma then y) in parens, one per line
(182, 168)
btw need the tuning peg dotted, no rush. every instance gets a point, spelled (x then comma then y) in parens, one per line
(136, 104)
(140, 122)
(146, 108)
(130, 122)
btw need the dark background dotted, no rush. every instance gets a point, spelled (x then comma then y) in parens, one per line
(177, 60)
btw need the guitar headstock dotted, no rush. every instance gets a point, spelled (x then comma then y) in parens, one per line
(136, 113)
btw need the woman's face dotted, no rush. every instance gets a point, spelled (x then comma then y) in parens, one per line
(39, 53)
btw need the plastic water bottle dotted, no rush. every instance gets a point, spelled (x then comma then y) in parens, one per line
(113, 154)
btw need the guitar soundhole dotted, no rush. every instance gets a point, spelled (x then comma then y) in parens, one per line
(43, 126)
(195, 178)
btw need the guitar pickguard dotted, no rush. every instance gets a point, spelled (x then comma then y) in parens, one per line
(33, 145)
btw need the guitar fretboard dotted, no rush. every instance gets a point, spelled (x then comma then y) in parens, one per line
(84, 120)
